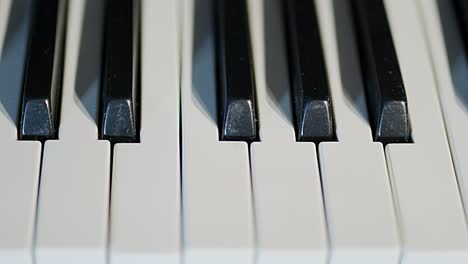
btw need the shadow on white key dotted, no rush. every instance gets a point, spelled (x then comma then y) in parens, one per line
(19, 160)
(358, 199)
(450, 67)
(290, 218)
(217, 200)
(74, 191)
(422, 174)
(145, 196)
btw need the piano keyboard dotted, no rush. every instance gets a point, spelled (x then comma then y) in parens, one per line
(233, 131)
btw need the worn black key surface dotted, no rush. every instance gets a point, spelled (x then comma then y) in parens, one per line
(235, 76)
(310, 92)
(120, 71)
(386, 95)
(461, 11)
(43, 72)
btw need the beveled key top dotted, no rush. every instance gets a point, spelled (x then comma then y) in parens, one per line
(236, 86)
(311, 95)
(43, 72)
(386, 96)
(120, 72)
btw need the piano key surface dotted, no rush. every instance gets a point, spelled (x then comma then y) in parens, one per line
(430, 211)
(450, 68)
(145, 213)
(180, 194)
(72, 215)
(290, 218)
(217, 207)
(361, 217)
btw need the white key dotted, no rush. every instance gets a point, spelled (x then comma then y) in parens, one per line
(358, 199)
(20, 163)
(145, 204)
(19, 160)
(424, 183)
(289, 211)
(74, 191)
(451, 71)
(217, 200)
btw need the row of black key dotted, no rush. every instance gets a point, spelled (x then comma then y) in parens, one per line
(237, 113)
(44, 66)
(312, 102)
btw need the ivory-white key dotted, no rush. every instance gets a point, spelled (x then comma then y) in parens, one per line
(451, 71)
(289, 211)
(145, 205)
(217, 200)
(430, 211)
(72, 219)
(358, 199)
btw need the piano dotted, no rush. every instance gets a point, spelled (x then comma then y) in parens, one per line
(233, 131)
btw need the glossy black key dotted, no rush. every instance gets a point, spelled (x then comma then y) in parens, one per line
(461, 11)
(310, 92)
(235, 76)
(43, 72)
(386, 96)
(120, 71)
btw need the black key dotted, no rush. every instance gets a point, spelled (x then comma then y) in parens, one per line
(461, 11)
(310, 92)
(43, 72)
(386, 97)
(236, 87)
(120, 71)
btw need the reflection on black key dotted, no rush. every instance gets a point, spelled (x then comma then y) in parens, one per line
(310, 93)
(461, 11)
(236, 95)
(43, 72)
(386, 95)
(120, 72)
